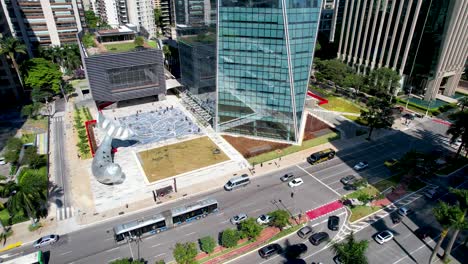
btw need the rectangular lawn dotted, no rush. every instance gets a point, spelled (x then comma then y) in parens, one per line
(171, 160)
(341, 105)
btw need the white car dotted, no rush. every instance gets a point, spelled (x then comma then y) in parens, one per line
(383, 237)
(361, 165)
(238, 218)
(296, 182)
(263, 219)
(46, 240)
(2, 161)
(403, 211)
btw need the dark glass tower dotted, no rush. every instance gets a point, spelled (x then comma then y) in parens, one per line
(265, 51)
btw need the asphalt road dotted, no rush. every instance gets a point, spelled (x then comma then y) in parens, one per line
(95, 244)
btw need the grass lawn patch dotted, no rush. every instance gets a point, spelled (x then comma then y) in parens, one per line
(285, 232)
(387, 183)
(361, 211)
(341, 105)
(167, 161)
(289, 150)
(152, 43)
(39, 122)
(369, 190)
(356, 119)
(120, 47)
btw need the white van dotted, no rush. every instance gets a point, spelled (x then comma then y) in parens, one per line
(237, 182)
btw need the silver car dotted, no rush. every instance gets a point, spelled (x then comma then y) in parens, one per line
(238, 218)
(45, 241)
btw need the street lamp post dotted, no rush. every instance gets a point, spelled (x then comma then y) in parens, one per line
(407, 101)
(429, 106)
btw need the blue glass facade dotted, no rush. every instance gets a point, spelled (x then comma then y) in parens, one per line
(265, 51)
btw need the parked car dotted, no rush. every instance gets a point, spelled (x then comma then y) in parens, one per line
(395, 218)
(384, 236)
(348, 180)
(430, 193)
(304, 232)
(409, 116)
(264, 219)
(238, 218)
(270, 250)
(424, 232)
(403, 211)
(46, 240)
(296, 182)
(350, 187)
(333, 222)
(317, 238)
(337, 260)
(390, 163)
(295, 250)
(2, 161)
(361, 165)
(286, 177)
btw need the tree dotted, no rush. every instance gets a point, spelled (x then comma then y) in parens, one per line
(459, 129)
(27, 199)
(463, 102)
(457, 223)
(166, 51)
(42, 74)
(351, 251)
(229, 238)
(460, 221)
(185, 253)
(250, 228)
(139, 41)
(31, 110)
(32, 159)
(158, 19)
(207, 244)
(378, 114)
(92, 21)
(10, 47)
(444, 215)
(384, 81)
(333, 70)
(280, 218)
(12, 149)
(88, 40)
(353, 81)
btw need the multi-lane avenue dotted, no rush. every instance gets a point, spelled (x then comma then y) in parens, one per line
(95, 243)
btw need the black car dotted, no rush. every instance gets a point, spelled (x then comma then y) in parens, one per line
(270, 250)
(424, 232)
(294, 251)
(318, 238)
(333, 222)
(349, 187)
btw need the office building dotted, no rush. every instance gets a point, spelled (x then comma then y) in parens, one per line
(116, 75)
(44, 22)
(423, 40)
(328, 19)
(265, 51)
(168, 17)
(195, 12)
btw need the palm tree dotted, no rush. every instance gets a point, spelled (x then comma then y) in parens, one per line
(351, 251)
(459, 129)
(26, 198)
(445, 216)
(460, 221)
(10, 47)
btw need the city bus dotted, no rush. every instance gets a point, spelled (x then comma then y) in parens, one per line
(33, 258)
(165, 220)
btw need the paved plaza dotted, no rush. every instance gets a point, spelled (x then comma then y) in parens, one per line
(156, 124)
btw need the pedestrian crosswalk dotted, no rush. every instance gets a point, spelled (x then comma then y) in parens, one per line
(64, 213)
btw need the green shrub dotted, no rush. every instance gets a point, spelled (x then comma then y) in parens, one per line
(88, 40)
(364, 197)
(19, 217)
(3, 177)
(229, 238)
(207, 244)
(13, 169)
(250, 229)
(139, 41)
(161, 261)
(33, 228)
(280, 218)
(5, 217)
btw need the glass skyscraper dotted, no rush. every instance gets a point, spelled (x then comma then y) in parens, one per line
(265, 50)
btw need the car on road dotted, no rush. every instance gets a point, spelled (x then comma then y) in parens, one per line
(361, 165)
(287, 177)
(424, 232)
(403, 211)
(238, 218)
(317, 238)
(264, 219)
(296, 182)
(304, 232)
(390, 163)
(384, 236)
(45, 241)
(333, 222)
(295, 250)
(269, 250)
(348, 180)
(430, 193)
(237, 182)
(409, 116)
(337, 260)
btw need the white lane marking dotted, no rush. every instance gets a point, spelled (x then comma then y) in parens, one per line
(225, 221)
(259, 209)
(112, 249)
(247, 205)
(337, 193)
(185, 225)
(160, 255)
(155, 245)
(190, 233)
(411, 253)
(114, 259)
(64, 253)
(107, 239)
